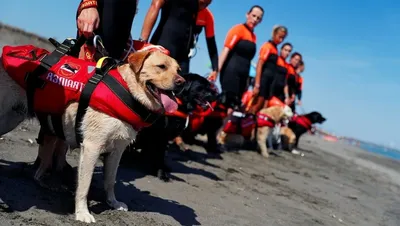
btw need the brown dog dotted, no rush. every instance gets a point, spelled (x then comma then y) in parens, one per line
(101, 133)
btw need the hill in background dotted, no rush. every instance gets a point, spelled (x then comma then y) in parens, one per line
(10, 35)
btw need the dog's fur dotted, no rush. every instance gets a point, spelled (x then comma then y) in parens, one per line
(153, 140)
(260, 134)
(101, 133)
(298, 130)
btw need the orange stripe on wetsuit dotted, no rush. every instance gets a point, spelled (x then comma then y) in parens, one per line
(206, 19)
(241, 41)
(239, 33)
(269, 54)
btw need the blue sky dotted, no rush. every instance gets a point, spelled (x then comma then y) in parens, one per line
(350, 49)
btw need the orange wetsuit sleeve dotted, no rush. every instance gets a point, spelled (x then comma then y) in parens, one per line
(233, 37)
(209, 27)
(264, 51)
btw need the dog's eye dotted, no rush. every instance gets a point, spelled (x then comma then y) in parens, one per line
(162, 66)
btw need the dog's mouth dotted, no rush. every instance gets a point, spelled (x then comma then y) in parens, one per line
(165, 98)
(203, 103)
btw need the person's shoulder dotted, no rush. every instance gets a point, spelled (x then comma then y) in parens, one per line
(267, 45)
(237, 27)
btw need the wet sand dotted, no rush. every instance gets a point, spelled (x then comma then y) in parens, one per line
(332, 184)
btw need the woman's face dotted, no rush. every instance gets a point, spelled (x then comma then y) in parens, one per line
(254, 17)
(279, 37)
(294, 61)
(285, 51)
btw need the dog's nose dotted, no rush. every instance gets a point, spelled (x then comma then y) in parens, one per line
(179, 80)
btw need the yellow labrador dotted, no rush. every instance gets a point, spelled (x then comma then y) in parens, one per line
(101, 133)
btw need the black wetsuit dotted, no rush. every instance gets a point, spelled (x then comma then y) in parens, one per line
(175, 29)
(116, 18)
(269, 53)
(205, 20)
(292, 79)
(279, 82)
(235, 72)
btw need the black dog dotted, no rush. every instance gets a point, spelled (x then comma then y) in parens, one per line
(153, 140)
(212, 124)
(304, 123)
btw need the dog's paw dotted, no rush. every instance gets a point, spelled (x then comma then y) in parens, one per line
(117, 205)
(163, 175)
(84, 217)
(265, 154)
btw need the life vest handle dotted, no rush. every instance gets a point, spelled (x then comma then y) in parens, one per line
(110, 63)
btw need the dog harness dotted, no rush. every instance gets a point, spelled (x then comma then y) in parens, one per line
(264, 120)
(54, 80)
(303, 121)
(199, 115)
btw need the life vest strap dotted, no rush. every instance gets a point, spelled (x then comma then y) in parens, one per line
(101, 75)
(68, 47)
(90, 86)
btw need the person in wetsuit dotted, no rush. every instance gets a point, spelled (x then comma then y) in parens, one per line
(176, 27)
(299, 86)
(111, 20)
(205, 19)
(267, 67)
(279, 85)
(239, 49)
(292, 78)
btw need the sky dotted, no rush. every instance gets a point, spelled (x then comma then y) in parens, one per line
(350, 50)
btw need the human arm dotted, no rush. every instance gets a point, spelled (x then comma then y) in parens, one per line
(231, 39)
(211, 43)
(263, 56)
(88, 17)
(151, 18)
(299, 90)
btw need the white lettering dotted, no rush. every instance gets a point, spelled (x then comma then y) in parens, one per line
(65, 82)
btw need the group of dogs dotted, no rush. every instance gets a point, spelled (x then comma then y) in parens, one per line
(148, 75)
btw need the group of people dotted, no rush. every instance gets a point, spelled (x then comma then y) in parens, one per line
(181, 22)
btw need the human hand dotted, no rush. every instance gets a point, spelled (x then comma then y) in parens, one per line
(88, 21)
(256, 91)
(212, 77)
(288, 101)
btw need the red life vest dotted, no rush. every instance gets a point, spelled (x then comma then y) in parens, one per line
(274, 101)
(247, 124)
(64, 83)
(264, 120)
(303, 121)
(198, 116)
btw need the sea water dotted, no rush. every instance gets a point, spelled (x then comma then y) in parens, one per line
(386, 152)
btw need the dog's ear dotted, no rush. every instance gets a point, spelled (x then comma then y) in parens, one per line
(136, 60)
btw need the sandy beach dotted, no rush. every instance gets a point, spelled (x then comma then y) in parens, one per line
(332, 184)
